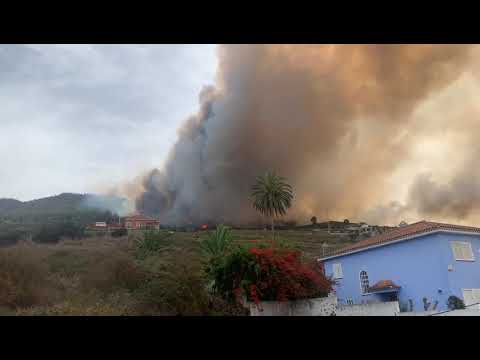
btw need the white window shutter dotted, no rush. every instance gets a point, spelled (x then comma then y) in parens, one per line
(462, 250)
(337, 271)
(469, 252)
(457, 254)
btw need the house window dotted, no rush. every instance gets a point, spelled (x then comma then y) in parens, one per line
(337, 271)
(471, 296)
(462, 251)
(364, 283)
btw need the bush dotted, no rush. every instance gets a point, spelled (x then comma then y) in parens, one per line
(267, 274)
(150, 243)
(178, 288)
(218, 242)
(52, 233)
(455, 303)
(119, 233)
(23, 279)
(115, 272)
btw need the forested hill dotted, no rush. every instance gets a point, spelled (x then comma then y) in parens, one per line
(50, 218)
(66, 203)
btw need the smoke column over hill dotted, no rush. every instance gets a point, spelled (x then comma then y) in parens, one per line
(334, 120)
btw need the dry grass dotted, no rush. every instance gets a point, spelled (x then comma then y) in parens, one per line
(104, 276)
(100, 278)
(24, 279)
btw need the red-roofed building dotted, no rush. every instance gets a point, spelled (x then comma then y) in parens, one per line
(141, 222)
(420, 265)
(102, 227)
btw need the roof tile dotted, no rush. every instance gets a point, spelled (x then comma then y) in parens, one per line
(403, 232)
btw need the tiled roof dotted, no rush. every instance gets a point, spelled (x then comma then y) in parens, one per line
(139, 218)
(383, 285)
(403, 232)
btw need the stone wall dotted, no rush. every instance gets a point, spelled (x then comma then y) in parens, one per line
(391, 308)
(312, 307)
(323, 307)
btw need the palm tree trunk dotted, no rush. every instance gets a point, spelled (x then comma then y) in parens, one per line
(273, 230)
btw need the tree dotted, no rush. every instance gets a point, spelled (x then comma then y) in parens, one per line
(314, 220)
(217, 243)
(268, 274)
(272, 196)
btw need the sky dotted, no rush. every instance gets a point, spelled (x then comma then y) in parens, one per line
(79, 118)
(401, 118)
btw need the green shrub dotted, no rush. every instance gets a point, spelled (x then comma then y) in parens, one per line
(178, 288)
(117, 271)
(267, 274)
(218, 243)
(455, 303)
(151, 242)
(119, 233)
(67, 263)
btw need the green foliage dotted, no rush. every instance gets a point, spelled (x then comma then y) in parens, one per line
(119, 232)
(218, 242)
(54, 232)
(67, 263)
(219, 272)
(272, 195)
(267, 274)
(117, 271)
(48, 227)
(101, 276)
(455, 303)
(151, 242)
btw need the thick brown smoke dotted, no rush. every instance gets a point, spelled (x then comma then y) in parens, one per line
(335, 120)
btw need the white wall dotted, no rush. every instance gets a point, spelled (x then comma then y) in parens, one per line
(323, 307)
(466, 312)
(312, 307)
(391, 308)
(417, 313)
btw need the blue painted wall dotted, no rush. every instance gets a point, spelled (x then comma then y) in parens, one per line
(419, 266)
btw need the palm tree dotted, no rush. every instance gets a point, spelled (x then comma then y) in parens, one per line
(218, 242)
(271, 196)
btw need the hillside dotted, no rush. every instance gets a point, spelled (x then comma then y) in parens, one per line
(9, 205)
(50, 218)
(66, 203)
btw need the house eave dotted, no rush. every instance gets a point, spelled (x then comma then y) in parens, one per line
(436, 231)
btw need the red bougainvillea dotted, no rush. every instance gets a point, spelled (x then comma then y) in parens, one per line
(269, 274)
(283, 276)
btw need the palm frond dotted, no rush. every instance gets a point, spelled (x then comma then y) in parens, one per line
(271, 195)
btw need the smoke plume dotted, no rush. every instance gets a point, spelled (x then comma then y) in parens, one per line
(335, 120)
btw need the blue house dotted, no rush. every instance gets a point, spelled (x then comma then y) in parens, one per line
(420, 265)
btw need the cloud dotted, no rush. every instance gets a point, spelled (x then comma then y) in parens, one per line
(79, 117)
